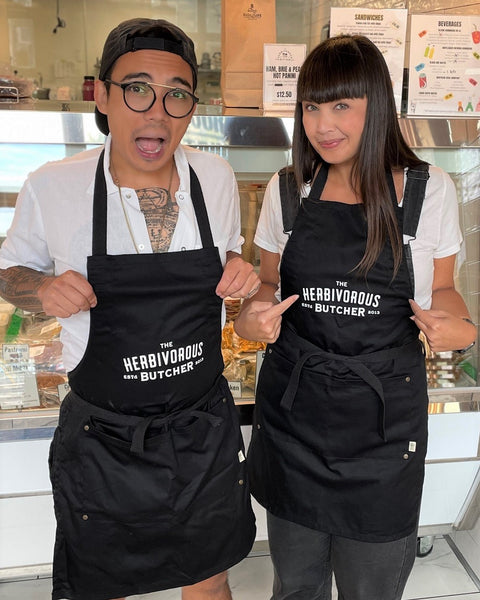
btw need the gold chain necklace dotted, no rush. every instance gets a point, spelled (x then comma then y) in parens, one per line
(116, 181)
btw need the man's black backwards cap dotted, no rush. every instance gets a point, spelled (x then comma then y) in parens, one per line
(144, 34)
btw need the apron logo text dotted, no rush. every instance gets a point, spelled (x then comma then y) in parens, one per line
(341, 300)
(168, 362)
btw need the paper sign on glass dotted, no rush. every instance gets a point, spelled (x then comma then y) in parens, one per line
(281, 66)
(386, 28)
(444, 69)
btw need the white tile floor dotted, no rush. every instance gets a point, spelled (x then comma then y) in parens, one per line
(440, 576)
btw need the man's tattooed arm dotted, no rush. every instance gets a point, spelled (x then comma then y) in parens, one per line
(19, 285)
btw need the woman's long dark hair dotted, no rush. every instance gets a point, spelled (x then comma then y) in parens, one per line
(351, 66)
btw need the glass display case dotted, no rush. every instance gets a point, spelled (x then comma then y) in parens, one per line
(32, 378)
(256, 146)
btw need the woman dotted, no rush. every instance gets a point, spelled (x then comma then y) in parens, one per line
(340, 429)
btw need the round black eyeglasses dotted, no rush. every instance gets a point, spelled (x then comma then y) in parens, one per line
(140, 96)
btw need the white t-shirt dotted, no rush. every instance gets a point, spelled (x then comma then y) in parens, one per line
(438, 233)
(52, 226)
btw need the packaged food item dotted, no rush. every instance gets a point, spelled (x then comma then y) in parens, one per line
(443, 370)
(64, 92)
(47, 384)
(15, 90)
(31, 359)
(239, 354)
(6, 311)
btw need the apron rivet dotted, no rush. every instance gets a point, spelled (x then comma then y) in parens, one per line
(259, 426)
(85, 517)
(240, 481)
(405, 456)
(86, 427)
(224, 400)
(269, 350)
(407, 379)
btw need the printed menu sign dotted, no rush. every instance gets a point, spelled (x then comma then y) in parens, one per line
(444, 70)
(18, 384)
(281, 66)
(386, 28)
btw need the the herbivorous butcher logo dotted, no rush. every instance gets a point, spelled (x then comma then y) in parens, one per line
(169, 361)
(341, 300)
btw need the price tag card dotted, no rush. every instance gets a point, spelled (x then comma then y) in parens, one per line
(235, 388)
(260, 357)
(63, 389)
(16, 354)
(281, 66)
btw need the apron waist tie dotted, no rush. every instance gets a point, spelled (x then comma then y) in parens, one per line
(140, 431)
(356, 365)
(364, 373)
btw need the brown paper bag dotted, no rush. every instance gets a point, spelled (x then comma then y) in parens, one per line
(246, 27)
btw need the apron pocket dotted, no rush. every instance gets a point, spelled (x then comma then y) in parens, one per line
(117, 484)
(274, 420)
(181, 461)
(343, 415)
(355, 421)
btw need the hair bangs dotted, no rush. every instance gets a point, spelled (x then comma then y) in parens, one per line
(341, 76)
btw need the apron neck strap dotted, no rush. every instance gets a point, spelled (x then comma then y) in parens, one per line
(198, 202)
(99, 224)
(319, 182)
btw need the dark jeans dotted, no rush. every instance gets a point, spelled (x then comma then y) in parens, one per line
(304, 560)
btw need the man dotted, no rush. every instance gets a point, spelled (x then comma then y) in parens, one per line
(133, 247)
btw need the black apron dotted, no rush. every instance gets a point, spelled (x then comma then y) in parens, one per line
(147, 462)
(340, 428)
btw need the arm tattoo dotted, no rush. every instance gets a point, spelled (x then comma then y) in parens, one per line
(19, 285)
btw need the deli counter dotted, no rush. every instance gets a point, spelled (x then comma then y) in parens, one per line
(33, 381)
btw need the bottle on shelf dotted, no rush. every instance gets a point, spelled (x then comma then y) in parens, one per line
(88, 87)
